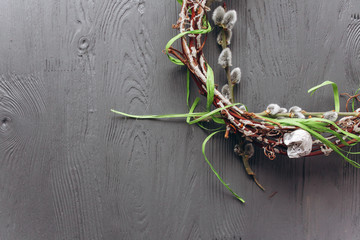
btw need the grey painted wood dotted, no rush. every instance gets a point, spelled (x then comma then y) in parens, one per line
(69, 169)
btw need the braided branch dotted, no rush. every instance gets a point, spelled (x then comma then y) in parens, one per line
(261, 130)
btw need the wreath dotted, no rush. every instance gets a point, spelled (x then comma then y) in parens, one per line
(294, 132)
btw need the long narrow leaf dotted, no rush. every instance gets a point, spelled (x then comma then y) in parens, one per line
(181, 115)
(218, 120)
(323, 140)
(209, 114)
(210, 129)
(335, 89)
(180, 35)
(213, 169)
(317, 123)
(210, 87)
(351, 135)
(192, 109)
(201, 115)
(353, 100)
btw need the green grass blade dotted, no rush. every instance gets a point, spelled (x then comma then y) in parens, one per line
(210, 88)
(350, 135)
(335, 89)
(192, 108)
(319, 125)
(201, 115)
(212, 113)
(323, 140)
(180, 115)
(353, 100)
(209, 129)
(180, 35)
(218, 120)
(213, 169)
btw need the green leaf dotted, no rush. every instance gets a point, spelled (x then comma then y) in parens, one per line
(218, 120)
(316, 126)
(192, 109)
(335, 89)
(210, 87)
(181, 115)
(209, 129)
(180, 1)
(201, 115)
(318, 123)
(310, 128)
(213, 169)
(180, 35)
(353, 100)
(351, 135)
(215, 119)
(212, 113)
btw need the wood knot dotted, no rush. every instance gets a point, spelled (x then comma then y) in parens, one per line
(5, 122)
(83, 44)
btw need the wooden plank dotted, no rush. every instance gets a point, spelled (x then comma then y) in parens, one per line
(70, 169)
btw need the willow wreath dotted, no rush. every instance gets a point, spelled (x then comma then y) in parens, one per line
(294, 132)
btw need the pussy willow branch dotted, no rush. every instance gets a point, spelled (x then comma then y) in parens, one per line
(289, 115)
(224, 45)
(310, 114)
(263, 131)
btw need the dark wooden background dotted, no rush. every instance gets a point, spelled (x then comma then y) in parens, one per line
(70, 169)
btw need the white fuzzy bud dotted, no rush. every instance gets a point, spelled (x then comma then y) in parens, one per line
(218, 15)
(249, 150)
(282, 110)
(225, 91)
(332, 116)
(295, 109)
(237, 149)
(228, 36)
(298, 115)
(235, 76)
(299, 143)
(296, 112)
(225, 58)
(229, 19)
(357, 110)
(272, 109)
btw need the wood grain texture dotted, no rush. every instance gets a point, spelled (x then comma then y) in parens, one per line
(69, 169)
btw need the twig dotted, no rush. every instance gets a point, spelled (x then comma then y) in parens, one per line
(350, 98)
(249, 171)
(307, 114)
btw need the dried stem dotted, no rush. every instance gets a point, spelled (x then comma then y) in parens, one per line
(249, 171)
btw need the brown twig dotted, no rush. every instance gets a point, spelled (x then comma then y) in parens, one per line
(249, 171)
(350, 98)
